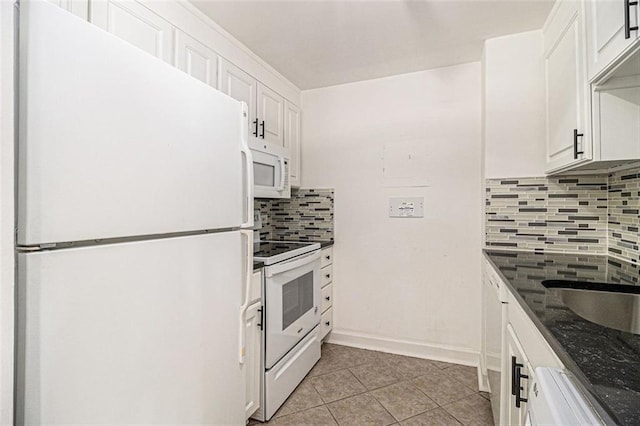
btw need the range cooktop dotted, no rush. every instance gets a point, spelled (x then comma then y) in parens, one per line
(271, 252)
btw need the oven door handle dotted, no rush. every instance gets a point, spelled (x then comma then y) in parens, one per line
(293, 263)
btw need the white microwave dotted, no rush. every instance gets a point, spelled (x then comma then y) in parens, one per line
(270, 170)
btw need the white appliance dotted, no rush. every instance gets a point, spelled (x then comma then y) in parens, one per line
(270, 170)
(555, 400)
(134, 242)
(292, 318)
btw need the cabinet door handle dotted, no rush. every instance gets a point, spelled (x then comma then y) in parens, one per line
(328, 298)
(255, 132)
(261, 319)
(519, 376)
(514, 364)
(575, 143)
(327, 323)
(262, 128)
(328, 275)
(328, 257)
(627, 18)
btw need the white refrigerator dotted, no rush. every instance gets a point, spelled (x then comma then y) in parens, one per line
(133, 235)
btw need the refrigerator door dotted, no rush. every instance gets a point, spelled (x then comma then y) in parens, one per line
(114, 142)
(133, 333)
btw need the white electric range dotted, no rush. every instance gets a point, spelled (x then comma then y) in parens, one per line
(291, 298)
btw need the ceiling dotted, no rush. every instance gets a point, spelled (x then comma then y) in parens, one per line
(324, 43)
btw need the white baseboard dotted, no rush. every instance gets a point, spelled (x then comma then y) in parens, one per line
(436, 352)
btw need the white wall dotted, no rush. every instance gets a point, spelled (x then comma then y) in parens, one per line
(404, 285)
(514, 105)
(6, 213)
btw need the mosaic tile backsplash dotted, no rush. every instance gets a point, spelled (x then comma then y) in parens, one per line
(593, 213)
(306, 216)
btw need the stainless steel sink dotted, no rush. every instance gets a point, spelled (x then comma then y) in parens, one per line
(618, 309)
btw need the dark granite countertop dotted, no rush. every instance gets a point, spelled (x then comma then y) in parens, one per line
(605, 361)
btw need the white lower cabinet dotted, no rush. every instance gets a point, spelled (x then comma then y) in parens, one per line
(252, 357)
(518, 377)
(253, 346)
(523, 349)
(326, 280)
(326, 323)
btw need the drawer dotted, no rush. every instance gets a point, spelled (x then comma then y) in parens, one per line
(327, 257)
(327, 297)
(326, 275)
(326, 323)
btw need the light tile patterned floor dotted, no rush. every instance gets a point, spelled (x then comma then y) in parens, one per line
(350, 386)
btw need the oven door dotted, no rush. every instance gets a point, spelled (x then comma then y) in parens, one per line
(292, 300)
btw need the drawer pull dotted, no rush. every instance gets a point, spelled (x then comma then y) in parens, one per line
(328, 298)
(627, 20)
(327, 323)
(328, 257)
(328, 275)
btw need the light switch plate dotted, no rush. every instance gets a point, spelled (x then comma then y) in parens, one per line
(406, 207)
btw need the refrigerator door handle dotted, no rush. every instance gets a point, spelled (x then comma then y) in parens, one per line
(247, 238)
(247, 158)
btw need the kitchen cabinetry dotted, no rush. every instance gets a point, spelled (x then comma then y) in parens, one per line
(518, 376)
(326, 279)
(270, 112)
(242, 87)
(180, 35)
(610, 31)
(568, 134)
(77, 7)
(523, 349)
(135, 23)
(266, 107)
(196, 59)
(253, 324)
(292, 140)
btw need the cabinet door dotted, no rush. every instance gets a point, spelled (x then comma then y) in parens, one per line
(271, 112)
(292, 141)
(566, 88)
(77, 7)
(196, 59)
(241, 87)
(133, 22)
(518, 370)
(606, 32)
(253, 324)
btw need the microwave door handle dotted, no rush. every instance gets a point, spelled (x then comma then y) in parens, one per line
(247, 157)
(282, 176)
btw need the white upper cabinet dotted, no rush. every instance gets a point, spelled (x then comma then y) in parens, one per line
(196, 59)
(77, 7)
(292, 140)
(567, 96)
(610, 31)
(271, 115)
(241, 87)
(133, 22)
